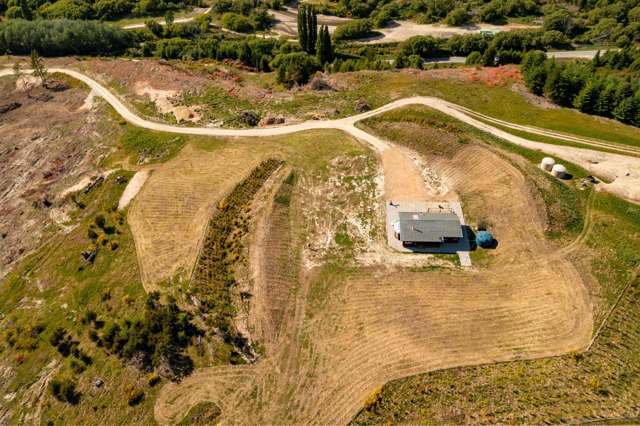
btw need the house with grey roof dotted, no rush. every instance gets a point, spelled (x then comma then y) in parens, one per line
(428, 228)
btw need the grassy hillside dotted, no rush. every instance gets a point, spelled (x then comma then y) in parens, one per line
(55, 288)
(601, 383)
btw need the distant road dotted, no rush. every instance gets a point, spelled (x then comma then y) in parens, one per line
(622, 169)
(198, 13)
(576, 54)
(563, 54)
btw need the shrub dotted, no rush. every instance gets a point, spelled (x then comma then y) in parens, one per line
(474, 58)
(457, 17)
(358, 28)
(67, 9)
(493, 13)
(238, 23)
(294, 68)
(153, 379)
(172, 48)
(422, 46)
(64, 390)
(134, 396)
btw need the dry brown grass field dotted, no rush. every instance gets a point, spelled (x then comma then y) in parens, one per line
(170, 213)
(348, 330)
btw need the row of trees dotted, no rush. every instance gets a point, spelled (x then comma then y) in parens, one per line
(503, 48)
(83, 9)
(589, 87)
(307, 28)
(62, 37)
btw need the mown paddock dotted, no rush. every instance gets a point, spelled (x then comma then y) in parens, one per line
(364, 326)
(597, 385)
(170, 213)
(600, 386)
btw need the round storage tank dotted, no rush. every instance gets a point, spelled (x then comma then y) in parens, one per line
(484, 239)
(559, 171)
(547, 163)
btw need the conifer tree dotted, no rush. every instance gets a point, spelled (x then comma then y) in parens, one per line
(312, 27)
(307, 28)
(324, 49)
(302, 27)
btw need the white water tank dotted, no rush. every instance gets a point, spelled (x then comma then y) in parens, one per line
(559, 171)
(547, 163)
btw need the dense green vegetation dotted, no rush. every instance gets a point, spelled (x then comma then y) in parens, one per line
(155, 340)
(89, 9)
(606, 86)
(582, 21)
(62, 37)
(213, 284)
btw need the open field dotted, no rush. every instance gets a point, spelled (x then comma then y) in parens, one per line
(599, 384)
(342, 336)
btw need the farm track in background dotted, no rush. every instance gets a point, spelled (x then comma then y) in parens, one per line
(623, 171)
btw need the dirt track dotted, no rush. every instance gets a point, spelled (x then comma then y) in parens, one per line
(623, 171)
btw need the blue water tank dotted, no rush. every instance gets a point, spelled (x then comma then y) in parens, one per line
(484, 239)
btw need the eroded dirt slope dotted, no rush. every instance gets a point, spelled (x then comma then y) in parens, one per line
(49, 139)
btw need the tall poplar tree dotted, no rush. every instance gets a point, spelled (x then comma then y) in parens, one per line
(324, 49)
(307, 28)
(303, 31)
(312, 26)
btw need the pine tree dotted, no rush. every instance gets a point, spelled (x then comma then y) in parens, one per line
(588, 97)
(607, 100)
(627, 110)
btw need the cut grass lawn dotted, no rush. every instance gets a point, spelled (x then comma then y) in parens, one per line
(602, 383)
(432, 133)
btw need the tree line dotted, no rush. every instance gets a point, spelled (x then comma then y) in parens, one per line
(62, 37)
(83, 9)
(607, 86)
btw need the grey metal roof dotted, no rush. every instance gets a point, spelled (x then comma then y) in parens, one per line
(429, 227)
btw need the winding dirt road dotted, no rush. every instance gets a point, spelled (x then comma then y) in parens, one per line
(622, 171)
